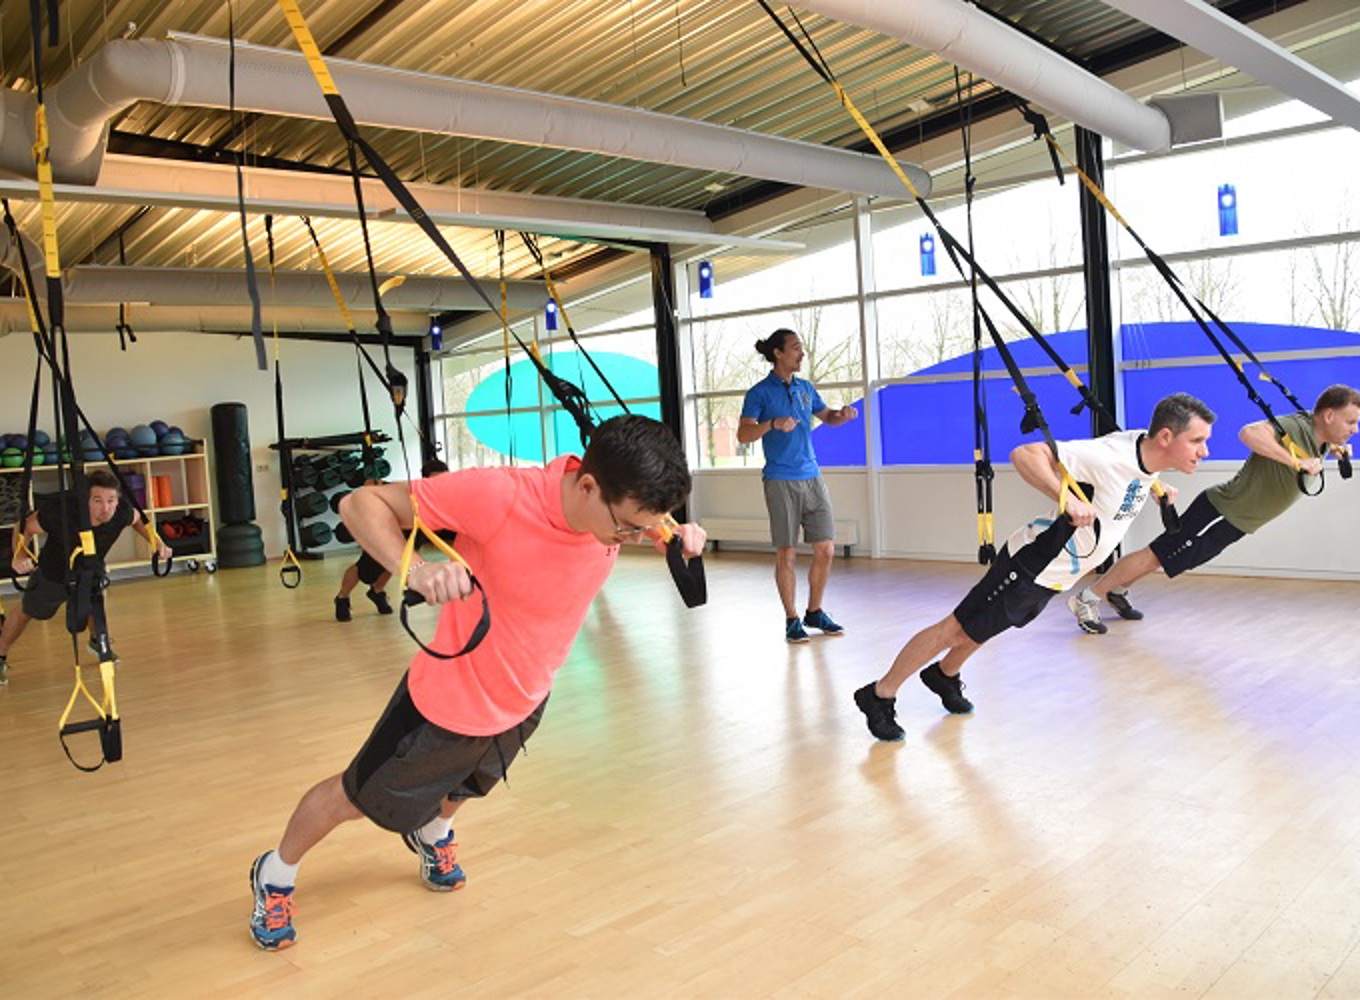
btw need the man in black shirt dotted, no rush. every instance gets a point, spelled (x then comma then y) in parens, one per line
(46, 592)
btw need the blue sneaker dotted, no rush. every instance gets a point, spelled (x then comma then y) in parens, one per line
(439, 868)
(271, 925)
(794, 631)
(821, 621)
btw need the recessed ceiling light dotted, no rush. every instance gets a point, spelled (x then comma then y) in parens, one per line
(715, 187)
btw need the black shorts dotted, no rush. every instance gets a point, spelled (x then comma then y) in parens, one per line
(409, 766)
(1203, 534)
(43, 598)
(369, 568)
(1007, 597)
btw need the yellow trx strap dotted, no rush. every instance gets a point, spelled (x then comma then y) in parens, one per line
(49, 203)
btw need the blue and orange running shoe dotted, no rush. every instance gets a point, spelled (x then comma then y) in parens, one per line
(271, 925)
(439, 867)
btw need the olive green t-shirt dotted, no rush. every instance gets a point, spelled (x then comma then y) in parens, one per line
(1263, 489)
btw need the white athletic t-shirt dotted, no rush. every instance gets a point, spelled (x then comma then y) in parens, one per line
(1111, 464)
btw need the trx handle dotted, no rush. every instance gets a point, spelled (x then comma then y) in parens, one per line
(290, 573)
(688, 574)
(110, 741)
(106, 722)
(983, 474)
(156, 554)
(1343, 464)
(411, 598)
(1171, 519)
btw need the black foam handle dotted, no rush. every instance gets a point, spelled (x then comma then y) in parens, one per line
(688, 574)
(410, 598)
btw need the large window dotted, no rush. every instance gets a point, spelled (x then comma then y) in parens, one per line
(497, 411)
(812, 293)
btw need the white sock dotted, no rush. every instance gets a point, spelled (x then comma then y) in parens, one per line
(1087, 596)
(436, 829)
(274, 872)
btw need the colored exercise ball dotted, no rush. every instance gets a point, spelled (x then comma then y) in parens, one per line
(142, 436)
(159, 427)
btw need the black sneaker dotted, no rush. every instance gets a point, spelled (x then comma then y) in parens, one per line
(379, 599)
(1119, 600)
(880, 713)
(342, 609)
(950, 689)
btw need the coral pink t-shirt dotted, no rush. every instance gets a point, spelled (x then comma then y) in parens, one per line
(539, 577)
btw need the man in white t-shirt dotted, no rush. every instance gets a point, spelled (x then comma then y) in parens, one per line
(1049, 554)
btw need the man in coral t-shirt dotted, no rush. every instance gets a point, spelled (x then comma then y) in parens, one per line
(541, 543)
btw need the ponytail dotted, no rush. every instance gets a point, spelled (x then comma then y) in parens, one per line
(774, 342)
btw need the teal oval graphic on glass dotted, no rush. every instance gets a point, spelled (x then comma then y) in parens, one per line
(632, 379)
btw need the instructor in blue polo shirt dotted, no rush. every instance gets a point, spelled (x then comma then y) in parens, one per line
(778, 411)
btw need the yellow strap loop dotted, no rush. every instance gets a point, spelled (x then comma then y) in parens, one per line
(408, 550)
(396, 281)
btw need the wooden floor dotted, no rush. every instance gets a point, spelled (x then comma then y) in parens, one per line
(1172, 809)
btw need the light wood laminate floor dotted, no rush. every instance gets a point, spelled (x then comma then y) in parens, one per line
(1171, 809)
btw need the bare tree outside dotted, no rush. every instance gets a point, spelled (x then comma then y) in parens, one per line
(1330, 282)
(831, 355)
(719, 366)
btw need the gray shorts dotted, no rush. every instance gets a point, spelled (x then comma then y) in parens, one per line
(409, 766)
(795, 502)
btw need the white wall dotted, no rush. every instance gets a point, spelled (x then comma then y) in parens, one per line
(177, 377)
(931, 513)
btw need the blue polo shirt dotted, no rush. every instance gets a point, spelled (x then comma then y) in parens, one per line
(788, 454)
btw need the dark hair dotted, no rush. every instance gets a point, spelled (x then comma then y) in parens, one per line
(1334, 397)
(432, 468)
(638, 457)
(1177, 410)
(774, 342)
(103, 479)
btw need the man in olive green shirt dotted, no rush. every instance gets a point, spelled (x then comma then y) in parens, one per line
(1264, 488)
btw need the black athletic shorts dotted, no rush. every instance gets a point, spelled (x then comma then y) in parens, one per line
(369, 568)
(409, 766)
(43, 598)
(1203, 534)
(1007, 597)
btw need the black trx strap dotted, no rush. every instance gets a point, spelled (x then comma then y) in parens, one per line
(290, 572)
(958, 255)
(531, 244)
(983, 474)
(252, 288)
(571, 398)
(45, 346)
(505, 344)
(85, 602)
(1203, 317)
(123, 328)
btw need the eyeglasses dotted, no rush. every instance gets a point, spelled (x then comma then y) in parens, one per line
(632, 531)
